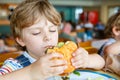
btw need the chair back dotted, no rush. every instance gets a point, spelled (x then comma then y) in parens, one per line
(4, 56)
(84, 44)
(87, 45)
(63, 40)
(91, 50)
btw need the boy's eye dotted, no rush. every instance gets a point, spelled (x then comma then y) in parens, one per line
(52, 30)
(36, 33)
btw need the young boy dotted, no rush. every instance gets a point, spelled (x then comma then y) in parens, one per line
(110, 49)
(112, 31)
(35, 28)
(113, 58)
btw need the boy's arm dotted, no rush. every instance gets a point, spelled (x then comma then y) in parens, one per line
(23, 74)
(95, 61)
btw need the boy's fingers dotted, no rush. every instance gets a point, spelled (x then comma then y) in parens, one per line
(80, 51)
(78, 64)
(76, 58)
(58, 70)
(55, 55)
(58, 62)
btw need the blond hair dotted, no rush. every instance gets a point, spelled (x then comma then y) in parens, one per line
(29, 11)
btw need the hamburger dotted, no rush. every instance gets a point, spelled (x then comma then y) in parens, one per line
(66, 49)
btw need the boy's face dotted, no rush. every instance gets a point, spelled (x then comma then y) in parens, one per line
(116, 33)
(38, 37)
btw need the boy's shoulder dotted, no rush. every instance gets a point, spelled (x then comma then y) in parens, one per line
(17, 63)
(12, 64)
(23, 60)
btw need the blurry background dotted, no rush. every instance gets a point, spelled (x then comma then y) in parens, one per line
(85, 19)
(70, 9)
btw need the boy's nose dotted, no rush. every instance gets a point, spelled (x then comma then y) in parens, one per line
(46, 38)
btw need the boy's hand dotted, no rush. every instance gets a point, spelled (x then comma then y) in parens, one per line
(80, 58)
(46, 66)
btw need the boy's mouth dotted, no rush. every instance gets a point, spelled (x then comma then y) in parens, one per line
(48, 47)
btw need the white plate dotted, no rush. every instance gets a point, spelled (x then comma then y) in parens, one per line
(92, 75)
(87, 75)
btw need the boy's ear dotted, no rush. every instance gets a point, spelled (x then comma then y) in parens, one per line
(116, 31)
(20, 41)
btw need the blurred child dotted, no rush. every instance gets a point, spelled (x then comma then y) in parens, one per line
(99, 30)
(2, 46)
(35, 28)
(112, 31)
(112, 58)
(66, 32)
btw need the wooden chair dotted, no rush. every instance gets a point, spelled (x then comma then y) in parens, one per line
(91, 50)
(84, 44)
(63, 40)
(88, 46)
(80, 30)
(10, 42)
(4, 56)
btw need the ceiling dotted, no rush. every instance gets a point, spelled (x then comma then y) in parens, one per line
(74, 2)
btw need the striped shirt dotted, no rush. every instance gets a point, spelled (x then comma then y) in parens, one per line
(13, 64)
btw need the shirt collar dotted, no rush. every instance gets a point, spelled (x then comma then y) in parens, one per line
(31, 59)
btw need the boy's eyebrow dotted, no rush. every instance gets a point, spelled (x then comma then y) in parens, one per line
(34, 28)
(51, 26)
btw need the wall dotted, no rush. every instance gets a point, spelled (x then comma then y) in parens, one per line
(69, 12)
(102, 6)
(5, 29)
